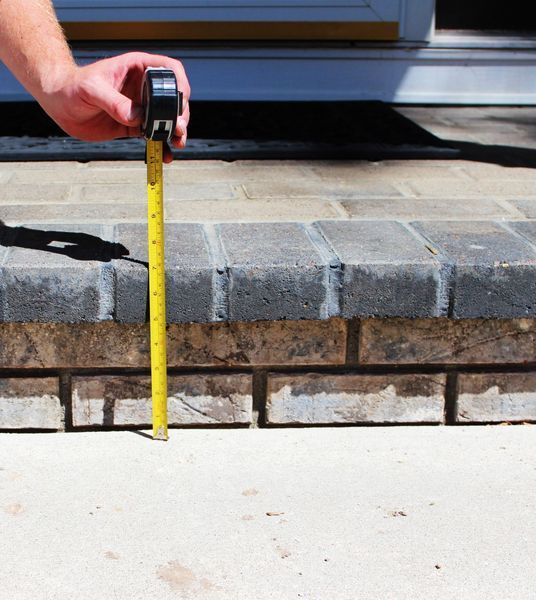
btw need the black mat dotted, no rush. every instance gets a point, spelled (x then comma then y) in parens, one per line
(230, 131)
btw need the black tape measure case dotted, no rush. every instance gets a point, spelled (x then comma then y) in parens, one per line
(162, 102)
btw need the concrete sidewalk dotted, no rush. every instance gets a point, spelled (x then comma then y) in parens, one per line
(318, 514)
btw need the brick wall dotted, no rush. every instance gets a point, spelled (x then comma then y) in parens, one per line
(59, 376)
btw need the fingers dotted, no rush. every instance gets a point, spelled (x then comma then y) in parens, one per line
(115, 88)
(144, 60)
(181, 130)
(121, 108)
(168, 155)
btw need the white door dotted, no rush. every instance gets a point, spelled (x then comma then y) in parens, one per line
(343, 19)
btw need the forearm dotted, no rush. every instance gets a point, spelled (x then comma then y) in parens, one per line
(100, 101)
(32, 45)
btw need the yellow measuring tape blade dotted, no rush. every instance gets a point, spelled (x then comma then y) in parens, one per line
(157, 288)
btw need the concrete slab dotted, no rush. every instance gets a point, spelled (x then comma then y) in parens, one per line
(404, 513)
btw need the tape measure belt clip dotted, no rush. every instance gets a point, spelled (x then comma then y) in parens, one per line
(162, 102)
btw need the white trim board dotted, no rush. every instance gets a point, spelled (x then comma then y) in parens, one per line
(433, 75)
(214, 10)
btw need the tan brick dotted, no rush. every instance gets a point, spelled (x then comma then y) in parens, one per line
(318, 189)
(325, 399)
(236, 173)
(487, 171)
(111, 193)
(255, 163)
(114, 164)
(75, 213)
(425, 209)
(527, 207)
(71, 174)
(137, 192)
(24, 193)
(496, 397)
(358, 171)
(505, 188)
(189, 165)
(471, 341)
(402, 164)
(177, 165)
(30, 403)
(177, 192)
(192, 400)
(107, 344)
(238, 211)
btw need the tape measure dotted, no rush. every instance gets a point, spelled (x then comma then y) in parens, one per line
(162, 102)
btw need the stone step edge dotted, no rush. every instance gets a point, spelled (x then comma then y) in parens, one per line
(271, 271)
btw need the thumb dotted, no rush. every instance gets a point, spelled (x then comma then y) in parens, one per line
(121, 108)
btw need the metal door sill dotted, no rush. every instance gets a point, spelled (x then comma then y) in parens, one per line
(468, 39)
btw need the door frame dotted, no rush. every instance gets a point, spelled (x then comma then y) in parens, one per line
(339, 20)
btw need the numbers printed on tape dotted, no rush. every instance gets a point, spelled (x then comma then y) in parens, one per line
(157, 288)
(162, 102)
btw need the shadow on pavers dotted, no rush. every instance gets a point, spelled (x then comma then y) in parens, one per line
(75, 244)
(504, 156)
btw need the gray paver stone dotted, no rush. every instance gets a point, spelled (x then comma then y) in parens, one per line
(189, 274)
(387, 272)
(57, 273)
(526, 229)
(275, 272)
(494, 271)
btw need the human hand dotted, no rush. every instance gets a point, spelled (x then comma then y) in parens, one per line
(101, 101)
